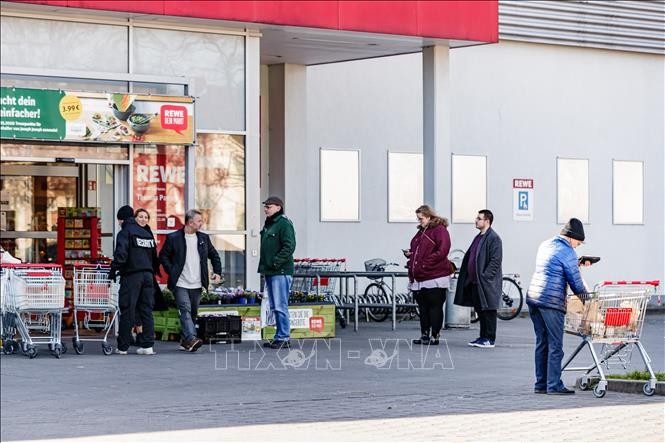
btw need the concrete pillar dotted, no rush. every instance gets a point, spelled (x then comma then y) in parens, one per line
(436, 129)
(287, 152)
(253, 210)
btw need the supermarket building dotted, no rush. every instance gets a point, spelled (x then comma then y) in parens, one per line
(355, 112)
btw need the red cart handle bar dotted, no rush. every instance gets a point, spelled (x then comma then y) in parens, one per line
(632, 282)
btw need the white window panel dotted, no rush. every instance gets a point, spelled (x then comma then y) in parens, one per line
(627, 192)
(405, 185)
(469, 187)
(340, 185)
(572, 189)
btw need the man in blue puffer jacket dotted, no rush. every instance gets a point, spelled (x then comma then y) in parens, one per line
(556, 266)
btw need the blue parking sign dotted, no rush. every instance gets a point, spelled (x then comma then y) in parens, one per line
(523, 200)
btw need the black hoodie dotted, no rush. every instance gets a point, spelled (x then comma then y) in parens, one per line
(135, 250)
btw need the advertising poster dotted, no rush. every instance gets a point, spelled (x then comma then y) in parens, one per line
(159, 185)
(45, 114)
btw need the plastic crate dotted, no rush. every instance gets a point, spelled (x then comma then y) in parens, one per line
(219, 328)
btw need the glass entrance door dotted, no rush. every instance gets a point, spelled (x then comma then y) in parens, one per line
(30, 195)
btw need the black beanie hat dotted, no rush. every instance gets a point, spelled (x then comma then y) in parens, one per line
(125, 212)
(574, 229)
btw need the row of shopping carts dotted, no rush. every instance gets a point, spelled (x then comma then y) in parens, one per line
(32, 303)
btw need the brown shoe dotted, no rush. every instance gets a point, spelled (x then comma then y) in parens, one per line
(194, 344)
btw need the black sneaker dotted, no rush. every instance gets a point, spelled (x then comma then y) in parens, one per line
(279, 344)
(267, 344)
(540, 391)
(423, 340)
(564, 391)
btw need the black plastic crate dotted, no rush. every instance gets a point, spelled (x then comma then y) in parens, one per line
(219, 328)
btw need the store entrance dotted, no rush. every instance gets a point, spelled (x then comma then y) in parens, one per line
(32, 192)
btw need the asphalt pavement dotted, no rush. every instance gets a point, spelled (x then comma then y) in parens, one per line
(366, 385)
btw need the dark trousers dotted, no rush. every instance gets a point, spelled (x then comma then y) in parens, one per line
(548, 326)
(430, 303)
(136, 298)
(487, 317)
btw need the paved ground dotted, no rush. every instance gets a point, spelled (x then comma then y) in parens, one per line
(369, 385)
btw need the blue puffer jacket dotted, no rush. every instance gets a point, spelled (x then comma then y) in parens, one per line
(556, 265)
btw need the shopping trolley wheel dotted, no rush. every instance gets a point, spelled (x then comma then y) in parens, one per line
(9, 347)
(78, 346)
(64, 347)
(599, 393)
(648, 390)
(107, 349)
(57, 350)
(583, 384)
(31, 352)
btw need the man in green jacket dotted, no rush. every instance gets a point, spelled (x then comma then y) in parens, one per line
(278, 241)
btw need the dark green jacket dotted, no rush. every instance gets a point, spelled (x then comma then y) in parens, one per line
(278, 241)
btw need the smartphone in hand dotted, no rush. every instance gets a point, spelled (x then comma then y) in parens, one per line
(406, 252)
(583, 260)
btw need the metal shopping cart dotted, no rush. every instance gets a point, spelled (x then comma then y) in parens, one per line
(95, 293)
(613, 315)
(314, 283)
(7, 328)
(36, 291)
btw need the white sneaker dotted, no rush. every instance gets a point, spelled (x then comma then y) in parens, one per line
(119, 352)
(145, 351)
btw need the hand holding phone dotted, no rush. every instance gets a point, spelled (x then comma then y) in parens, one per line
(406, 252)
(587, 260)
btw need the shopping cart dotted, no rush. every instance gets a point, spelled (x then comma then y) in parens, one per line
(95, 293)
(36, 291)
(7, 328)
(611, 315)
(314, 283)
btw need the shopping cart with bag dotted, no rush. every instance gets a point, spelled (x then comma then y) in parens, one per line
(35, 291)
(612, 315)
(95, 293)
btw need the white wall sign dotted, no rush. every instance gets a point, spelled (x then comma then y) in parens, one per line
(523, 199)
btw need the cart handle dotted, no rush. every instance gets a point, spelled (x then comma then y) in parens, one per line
(98, 266)
(32, 265)
(631, 282)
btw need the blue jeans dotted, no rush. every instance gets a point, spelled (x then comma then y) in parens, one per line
(187, 301)
(278, 287)
(548, 326)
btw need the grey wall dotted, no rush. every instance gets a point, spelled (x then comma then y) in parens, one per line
(522, 105)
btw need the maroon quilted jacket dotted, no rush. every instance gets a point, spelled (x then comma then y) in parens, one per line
(429, 253)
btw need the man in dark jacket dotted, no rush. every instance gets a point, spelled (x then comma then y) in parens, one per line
(135, 260)
(278, 242)
(556, 267)
(480, 278)
(185, 256)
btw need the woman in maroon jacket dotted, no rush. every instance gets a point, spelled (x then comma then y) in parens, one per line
(429, 271)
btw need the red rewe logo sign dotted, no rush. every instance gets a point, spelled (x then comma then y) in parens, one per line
(174, 117)
(316, 324)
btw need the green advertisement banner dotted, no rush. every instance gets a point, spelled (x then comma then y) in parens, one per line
(31, 113)
(44, 114)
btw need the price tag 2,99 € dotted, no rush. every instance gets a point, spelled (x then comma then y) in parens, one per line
(70, 107)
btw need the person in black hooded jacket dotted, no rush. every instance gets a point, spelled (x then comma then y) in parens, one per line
(135, 260)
